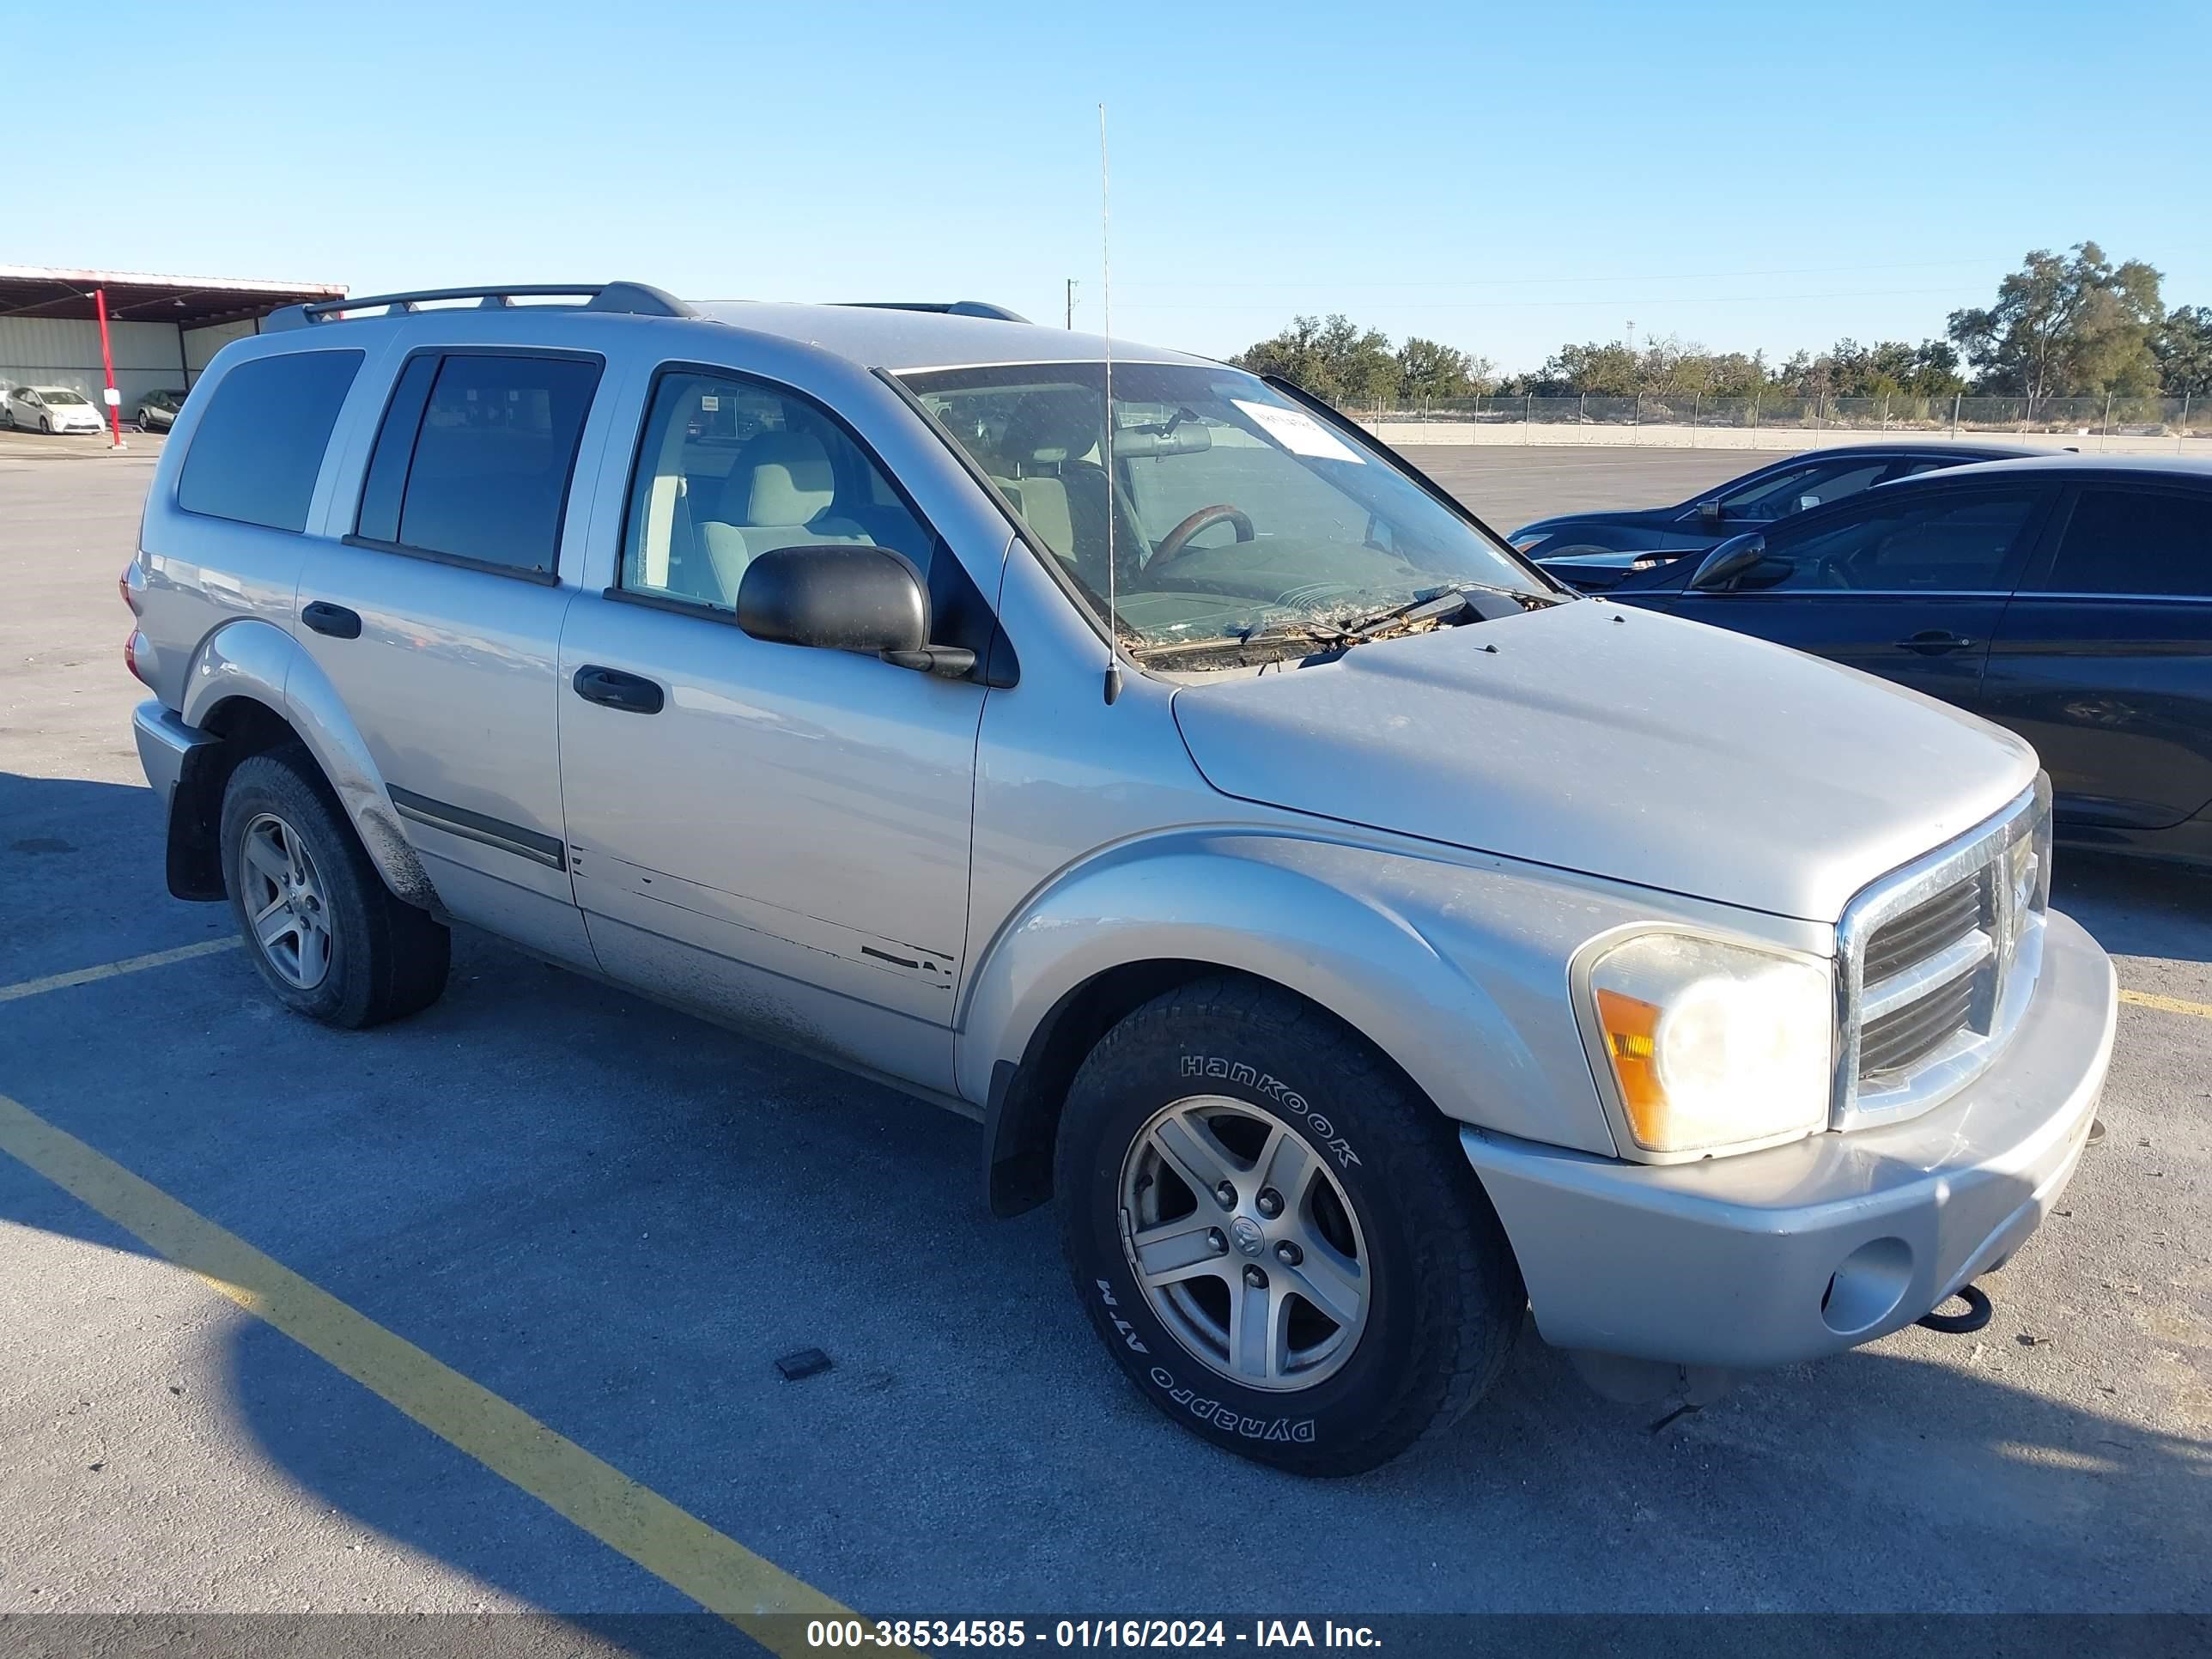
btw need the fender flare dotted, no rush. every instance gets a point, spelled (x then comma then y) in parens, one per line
(1325, 920)
(256, 660)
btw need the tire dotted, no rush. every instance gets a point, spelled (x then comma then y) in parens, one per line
(344, 951)
(1229, 1076)
(45, 426)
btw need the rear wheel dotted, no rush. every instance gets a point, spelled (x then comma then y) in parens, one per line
(330, 939)
(1277, 1238)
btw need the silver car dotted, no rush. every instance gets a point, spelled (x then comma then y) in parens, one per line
(157, 410)
(1129, 755)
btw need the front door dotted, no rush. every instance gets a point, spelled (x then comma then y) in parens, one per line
(776, 835)
(1909, 586)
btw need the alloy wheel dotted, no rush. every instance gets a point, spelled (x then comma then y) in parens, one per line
(286, 903)
(1244, 1242)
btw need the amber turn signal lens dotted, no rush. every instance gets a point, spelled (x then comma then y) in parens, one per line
(1631, 1026)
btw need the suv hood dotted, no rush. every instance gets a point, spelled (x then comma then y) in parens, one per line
(1618, 742)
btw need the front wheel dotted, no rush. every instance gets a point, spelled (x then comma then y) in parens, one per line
(1277, 1238)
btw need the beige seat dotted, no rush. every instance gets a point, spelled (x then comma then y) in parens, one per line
(1059, 494)
(778, 494)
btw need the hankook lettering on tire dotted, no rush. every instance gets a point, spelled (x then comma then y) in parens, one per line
(1235, 1071)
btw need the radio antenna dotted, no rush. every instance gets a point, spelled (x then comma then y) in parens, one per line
(1106, 439)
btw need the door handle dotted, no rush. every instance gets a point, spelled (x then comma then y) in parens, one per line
(334, 620)
(632, 693)
(1935, 643)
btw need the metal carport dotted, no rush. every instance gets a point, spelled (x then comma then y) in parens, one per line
(162, 330)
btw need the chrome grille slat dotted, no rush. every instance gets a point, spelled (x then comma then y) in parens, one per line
(1909, 938)
(1951, 959)
(1913, 1032)
(1936, 963)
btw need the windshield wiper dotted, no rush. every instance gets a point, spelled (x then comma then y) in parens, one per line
(1380, 624)
(1438, 610)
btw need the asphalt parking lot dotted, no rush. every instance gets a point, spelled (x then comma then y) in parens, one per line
(579, 1207)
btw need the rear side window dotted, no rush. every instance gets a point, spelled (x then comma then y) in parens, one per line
(475, 457)
(2135, 541)
(261, 441)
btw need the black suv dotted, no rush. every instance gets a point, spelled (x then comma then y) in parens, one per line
(2069, 597)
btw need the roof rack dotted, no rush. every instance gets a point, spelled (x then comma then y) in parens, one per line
(945, 307)
(636, 298)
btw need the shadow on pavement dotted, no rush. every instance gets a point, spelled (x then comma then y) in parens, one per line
(2137, 908)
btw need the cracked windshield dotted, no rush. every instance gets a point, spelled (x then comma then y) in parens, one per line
(1243, 529)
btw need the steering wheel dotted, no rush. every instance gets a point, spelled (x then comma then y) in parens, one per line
(1179, 538)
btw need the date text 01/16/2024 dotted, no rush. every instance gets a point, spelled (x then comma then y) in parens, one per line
(926, 1634)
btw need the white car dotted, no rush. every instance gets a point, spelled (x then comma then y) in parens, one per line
(51, 409)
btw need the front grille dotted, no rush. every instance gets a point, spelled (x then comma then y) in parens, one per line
(1896, 1041)
(1938, 961)
(1924, 929)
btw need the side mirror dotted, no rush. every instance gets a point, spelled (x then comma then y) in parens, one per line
(1728, 561)
(1709, 514)
(840, 598)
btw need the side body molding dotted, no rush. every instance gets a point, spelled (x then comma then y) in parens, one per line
(258, 660)
(1456, 971)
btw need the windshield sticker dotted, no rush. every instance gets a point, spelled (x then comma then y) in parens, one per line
(1299, 433)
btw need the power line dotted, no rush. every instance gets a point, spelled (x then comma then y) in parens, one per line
(1322, 283)
(1612, 299)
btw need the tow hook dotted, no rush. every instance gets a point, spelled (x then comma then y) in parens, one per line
(1976, 1314)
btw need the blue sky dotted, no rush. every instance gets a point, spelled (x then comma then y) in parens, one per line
(1500, 178)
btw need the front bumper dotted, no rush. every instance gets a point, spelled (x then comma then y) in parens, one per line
(1801, 1250)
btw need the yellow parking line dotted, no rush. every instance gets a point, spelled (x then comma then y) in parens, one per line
(2167, 1005)
(721, 1575)
(31, 988)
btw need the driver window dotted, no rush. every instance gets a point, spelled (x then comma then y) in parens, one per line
(1802, 488)
(729, 468)
(1957, 545)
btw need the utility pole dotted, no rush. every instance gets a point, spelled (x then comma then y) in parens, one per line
(1071, 304)
(112, 398)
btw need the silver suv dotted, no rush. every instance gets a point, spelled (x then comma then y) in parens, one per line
(1345, 923)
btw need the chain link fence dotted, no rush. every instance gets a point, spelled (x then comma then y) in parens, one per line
(2113, 416)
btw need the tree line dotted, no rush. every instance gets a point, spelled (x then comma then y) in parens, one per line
(2063, 325)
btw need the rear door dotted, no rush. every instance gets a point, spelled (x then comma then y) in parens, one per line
(1907, 584)
(2103, 659)
(437, 618)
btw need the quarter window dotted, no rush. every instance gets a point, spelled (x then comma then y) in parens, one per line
(2135, 541)
(729, 468)
(261, 441)
(475, 457)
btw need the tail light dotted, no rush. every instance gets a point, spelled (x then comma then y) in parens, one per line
(123, 587)
(131, 655)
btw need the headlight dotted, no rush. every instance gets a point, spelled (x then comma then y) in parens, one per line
(1521, 543)
(1713, 1046)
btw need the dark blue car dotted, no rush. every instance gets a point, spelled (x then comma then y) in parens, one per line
(2068, 597)
(1594, 550)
